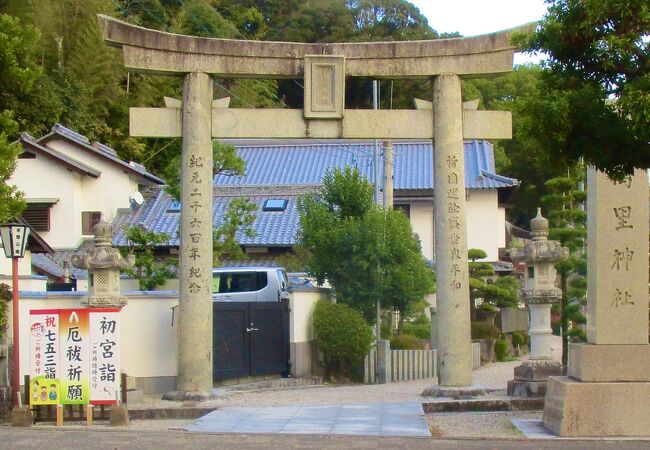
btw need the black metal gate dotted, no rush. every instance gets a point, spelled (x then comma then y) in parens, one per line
(250, 338)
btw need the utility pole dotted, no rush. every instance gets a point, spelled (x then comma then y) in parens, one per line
(375, 105)
(388, 174)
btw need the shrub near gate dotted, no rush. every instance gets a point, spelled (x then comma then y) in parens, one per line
(343, 336)
(405, 342)
(485, 330)
(501, 350)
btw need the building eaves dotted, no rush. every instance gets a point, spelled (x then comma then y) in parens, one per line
(32, 146)
(59, 131)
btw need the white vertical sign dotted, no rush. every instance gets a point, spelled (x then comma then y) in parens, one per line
(104, 355)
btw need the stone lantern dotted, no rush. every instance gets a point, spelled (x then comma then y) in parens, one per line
(103, 263)
(539, 293)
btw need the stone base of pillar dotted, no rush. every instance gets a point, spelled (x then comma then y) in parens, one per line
(579, 409)
(21, 417)
(191, 396)
(119, 416)
(531, 378)
(456, 392)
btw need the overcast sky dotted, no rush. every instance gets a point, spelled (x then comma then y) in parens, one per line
(472, 17)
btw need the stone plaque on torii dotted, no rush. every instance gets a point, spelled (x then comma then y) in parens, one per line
(324, 68)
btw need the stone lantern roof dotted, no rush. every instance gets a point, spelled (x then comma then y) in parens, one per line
(540, 249)
(103, 255)
(539, 226)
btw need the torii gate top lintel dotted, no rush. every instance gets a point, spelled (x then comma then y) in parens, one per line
(147, 50)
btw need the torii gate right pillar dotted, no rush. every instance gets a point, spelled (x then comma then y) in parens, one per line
(454, 341)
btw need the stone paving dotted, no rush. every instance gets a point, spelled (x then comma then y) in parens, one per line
(383, 419)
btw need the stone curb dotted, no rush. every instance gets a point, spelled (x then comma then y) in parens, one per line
(169, 413)
(284, 383)
(520, 404)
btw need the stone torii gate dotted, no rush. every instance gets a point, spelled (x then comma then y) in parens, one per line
(323, 68)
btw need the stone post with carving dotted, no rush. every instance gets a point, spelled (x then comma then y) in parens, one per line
(607, 388)
(539, 293)
(103, 263)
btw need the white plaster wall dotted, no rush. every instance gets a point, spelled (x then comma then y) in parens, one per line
(422, 223)
(302, 305)
(131, 284)
(30, 283)
(485, 223)
(42, 178)
(147, 342)
(108, 192)
(24, 264)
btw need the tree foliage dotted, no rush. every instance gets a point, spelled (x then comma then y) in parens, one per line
(11, 201)
(597, 72)
(5, 296)
(364, 252)
(567, 220)
(502, 292)
(149, 272)
(528, 156)
(237, 217)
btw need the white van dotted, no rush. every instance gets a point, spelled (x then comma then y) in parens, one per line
(249, 284)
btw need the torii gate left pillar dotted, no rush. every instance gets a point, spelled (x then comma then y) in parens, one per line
(195, 268)
(324, 68)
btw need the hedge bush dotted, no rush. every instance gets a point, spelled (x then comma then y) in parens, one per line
(518, 339)
(420, 329)
(405, 342)
(485, 330)
(501, 349)
(343, 336)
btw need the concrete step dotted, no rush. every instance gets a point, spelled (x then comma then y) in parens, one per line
(134, 396)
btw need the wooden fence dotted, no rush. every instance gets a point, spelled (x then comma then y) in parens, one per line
(404, 365)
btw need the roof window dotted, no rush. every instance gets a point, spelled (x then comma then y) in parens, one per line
(174, 207)
(275, 204)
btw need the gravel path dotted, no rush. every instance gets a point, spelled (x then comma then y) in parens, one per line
(492, 376)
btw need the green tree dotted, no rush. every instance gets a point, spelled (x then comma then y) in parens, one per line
(389, 20)
(364, 252)
(149, 272)
(502, 292)
(5, 297)
(598, 56)
(11, 201)
(526, 157)
(567, 221)
(238, 217)
(199, 18)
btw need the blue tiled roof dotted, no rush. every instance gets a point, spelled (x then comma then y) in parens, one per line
(281, 171)
(306, 164)
(271, 228)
